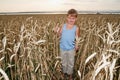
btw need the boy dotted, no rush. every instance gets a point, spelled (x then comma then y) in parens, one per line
(68, 32)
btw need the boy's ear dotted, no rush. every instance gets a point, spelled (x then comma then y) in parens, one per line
(76, 18)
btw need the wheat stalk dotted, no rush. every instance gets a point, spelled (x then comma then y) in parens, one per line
(99, 69)
(114, 51)
(1, 50)
(79, 74)
(40, 41)
(4, 74)
(4, 41)
(16, 47)
(90, 57)
(2, 59)
(37, 68)
(12, 57)
(111, 69)
(56, 64)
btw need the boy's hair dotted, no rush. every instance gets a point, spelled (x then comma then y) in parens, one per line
(72, 12)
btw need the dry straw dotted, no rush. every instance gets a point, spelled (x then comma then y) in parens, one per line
(30, 51)
(79, 73)
(90, 57)
(2, 59)
(4, 41)
(111, 69)
(100, 68)
(4, 74)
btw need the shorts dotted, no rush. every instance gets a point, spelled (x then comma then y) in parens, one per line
(67, 58)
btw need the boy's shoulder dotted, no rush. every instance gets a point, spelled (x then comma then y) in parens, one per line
(62, 25)
(65, 24)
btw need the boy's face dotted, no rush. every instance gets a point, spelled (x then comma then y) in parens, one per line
(71, 19)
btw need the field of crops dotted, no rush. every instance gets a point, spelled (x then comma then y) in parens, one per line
(29, 49)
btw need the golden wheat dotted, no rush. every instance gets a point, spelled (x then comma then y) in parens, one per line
(29, 49)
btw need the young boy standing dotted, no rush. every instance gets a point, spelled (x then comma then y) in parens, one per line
(68, 32)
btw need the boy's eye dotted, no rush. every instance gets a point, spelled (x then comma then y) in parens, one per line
(71, 18)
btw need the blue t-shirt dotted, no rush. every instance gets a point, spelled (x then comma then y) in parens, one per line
(67, 41)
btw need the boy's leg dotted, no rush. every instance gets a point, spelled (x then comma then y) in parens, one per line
(71, 56)
(63, 56)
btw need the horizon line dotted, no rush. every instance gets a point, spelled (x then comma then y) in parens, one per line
(61, 12)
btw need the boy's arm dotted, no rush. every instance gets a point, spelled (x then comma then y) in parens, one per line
(58, 29)
(77, 38)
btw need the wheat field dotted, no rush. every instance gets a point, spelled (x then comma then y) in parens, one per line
(29, 49)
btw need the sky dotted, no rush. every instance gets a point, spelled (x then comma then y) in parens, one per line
(58, 5)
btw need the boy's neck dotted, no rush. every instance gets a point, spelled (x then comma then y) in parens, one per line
(70, 25)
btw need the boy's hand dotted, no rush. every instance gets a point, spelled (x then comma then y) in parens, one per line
(76, 48)
(56, 29)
